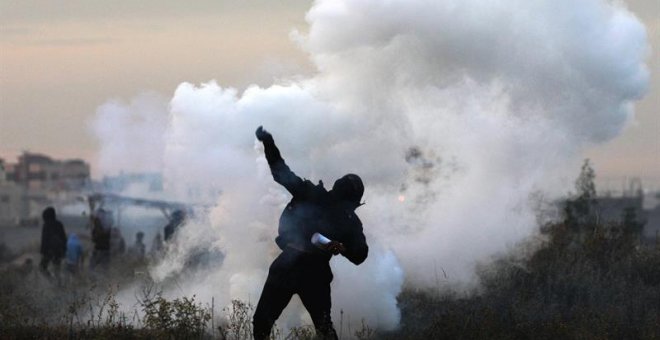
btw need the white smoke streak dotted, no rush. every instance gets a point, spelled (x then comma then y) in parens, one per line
(462, 108)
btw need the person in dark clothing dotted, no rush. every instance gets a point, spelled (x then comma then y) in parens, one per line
(53, 241)
(176, 220)
(303, 268)
(117, 242)
(156, 246)
(101, 234)
(138, 249)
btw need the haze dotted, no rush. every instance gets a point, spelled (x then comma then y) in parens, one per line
(61, 60)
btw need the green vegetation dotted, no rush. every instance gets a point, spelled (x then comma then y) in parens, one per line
(601, 287)
(586, 280)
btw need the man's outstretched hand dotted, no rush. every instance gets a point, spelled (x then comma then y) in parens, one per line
(262, 134)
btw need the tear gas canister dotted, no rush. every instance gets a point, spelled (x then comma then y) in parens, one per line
(320, 241)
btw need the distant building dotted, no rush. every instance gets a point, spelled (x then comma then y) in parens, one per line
(13, 205)
(3, 173)
(12, 199)
(652, 227)
(37, 172)
(633, 202)
(36, 181)
(611, 209)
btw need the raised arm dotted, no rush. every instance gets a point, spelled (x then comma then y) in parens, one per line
(281, 172)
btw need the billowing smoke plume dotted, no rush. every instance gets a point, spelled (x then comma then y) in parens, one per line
(453, 112)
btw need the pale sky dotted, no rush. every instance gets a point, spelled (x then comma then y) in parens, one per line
(61, 59)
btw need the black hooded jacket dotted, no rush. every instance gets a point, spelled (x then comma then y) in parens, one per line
(53, 237)
(314, 209)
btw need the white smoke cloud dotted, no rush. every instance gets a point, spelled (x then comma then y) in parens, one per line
(131, 134)
(453, 112)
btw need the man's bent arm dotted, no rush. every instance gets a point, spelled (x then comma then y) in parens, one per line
(356, 248)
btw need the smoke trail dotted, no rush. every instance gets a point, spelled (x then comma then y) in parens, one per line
(453, 112)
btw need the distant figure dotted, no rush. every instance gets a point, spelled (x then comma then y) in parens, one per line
(303, 267)
(176, 220)
(117, 242)
(74, 254)
(102, 223)
(53, 241)
(156, 245)
(138, 249)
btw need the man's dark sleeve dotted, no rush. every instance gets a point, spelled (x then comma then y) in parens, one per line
(356, 246)
(281, 172)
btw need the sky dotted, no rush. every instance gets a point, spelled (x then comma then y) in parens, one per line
(61, 60)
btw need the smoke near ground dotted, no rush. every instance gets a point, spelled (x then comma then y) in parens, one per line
(454, 113)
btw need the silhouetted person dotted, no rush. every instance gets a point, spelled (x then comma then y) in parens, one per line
(101, 233)
(138, 249)
(156, 246)
(303, 268)
(176, 220)
(53, 241)
(117, 242)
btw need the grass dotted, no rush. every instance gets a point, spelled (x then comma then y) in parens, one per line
(582, 280)
(593, 284)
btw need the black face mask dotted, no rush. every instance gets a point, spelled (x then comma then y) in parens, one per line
(349, 188)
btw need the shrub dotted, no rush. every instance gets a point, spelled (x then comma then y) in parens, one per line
(180, 318)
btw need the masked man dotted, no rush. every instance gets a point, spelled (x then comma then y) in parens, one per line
(303, 267)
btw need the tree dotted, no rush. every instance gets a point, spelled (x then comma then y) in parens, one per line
(579, 209)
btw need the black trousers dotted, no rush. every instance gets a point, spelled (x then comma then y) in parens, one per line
(295, 272)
